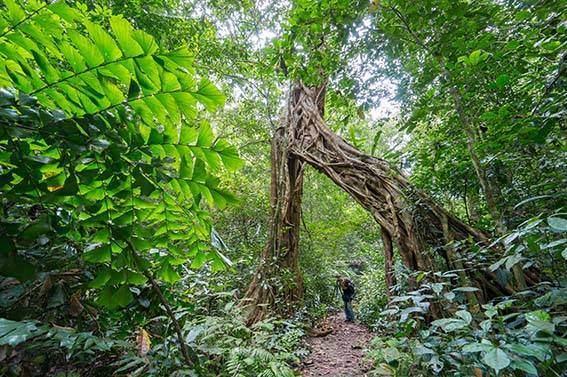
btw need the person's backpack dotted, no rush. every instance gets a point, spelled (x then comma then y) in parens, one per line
(349, 291)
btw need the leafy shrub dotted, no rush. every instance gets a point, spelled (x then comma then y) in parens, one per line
(107, 163)
(225, 346)
(371, 295)
(116, 159)
(34, 341)
(517, 335)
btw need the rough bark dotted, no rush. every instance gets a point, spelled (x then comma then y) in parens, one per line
(416, 224)
(413, 219)
(472, 207)
(408, 218)
(277, 282)
(388, 261)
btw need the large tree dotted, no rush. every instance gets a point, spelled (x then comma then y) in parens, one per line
(335, 41)
(408, 218)
(277, 280)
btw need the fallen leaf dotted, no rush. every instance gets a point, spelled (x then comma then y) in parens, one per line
(46, 286)
(143, 341)
(75, 306)
(54, 188)
(70, 329)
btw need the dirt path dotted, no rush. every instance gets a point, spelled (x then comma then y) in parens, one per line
(339, 354)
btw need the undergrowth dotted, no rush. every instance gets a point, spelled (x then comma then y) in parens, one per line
(516, 335)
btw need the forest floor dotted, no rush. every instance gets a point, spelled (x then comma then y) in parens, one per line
(339, 354)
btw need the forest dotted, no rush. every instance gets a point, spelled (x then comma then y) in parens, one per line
(196, 187)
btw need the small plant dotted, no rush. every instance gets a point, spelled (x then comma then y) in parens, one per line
(516, 335)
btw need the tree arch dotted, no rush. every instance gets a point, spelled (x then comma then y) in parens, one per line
(408, 218)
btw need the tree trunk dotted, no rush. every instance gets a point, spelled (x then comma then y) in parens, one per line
(277, 282)
(416, 224)
(485, 183)
(388, 261)
(412, 220)
(472, 207)
(410, 216)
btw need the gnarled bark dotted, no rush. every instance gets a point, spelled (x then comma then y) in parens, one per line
(277, 282)
(409, 218)
(388, 261)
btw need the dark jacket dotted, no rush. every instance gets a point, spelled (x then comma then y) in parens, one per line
(348, 292)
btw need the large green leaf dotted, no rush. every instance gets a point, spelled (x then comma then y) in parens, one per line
(98, 254)
(557, 223)
(15, 12)
(230, 158)
(496, 359)
(168, 274)
(113, 151)
(525, 366)
(12, 264)
(13, 333)
(206, 136)
(209, 95)
(115, 298)
(101, 279)
(41, 226)
(104, 42)
(124, 32)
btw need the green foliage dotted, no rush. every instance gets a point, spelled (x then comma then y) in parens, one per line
(511, 91)
(263, 350)
(520, 334)
(112, 146)
(315, 33)
(372, 295)
(339, 237)
(107, 164)
(225, 346)
(42, 339)
(111, 173)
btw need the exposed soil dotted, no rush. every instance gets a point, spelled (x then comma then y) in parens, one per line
(340, 353)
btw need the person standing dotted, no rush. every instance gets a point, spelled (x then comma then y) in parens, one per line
(346, 287)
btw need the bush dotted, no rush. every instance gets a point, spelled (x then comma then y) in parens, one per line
(224, 346)
(371, 295)
(517, 335)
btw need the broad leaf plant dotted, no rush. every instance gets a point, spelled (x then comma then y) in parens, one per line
(105, 150)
